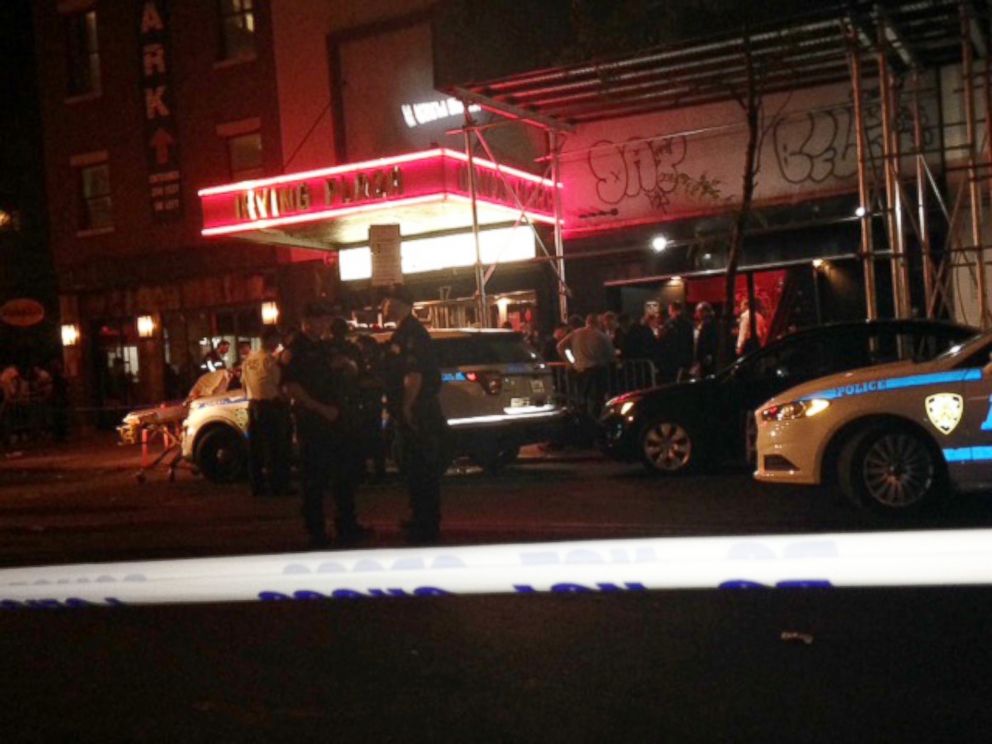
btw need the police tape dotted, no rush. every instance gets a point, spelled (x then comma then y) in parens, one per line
(922, 558)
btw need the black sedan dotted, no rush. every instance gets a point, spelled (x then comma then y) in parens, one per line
(675, 429)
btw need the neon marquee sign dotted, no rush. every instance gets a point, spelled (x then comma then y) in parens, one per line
(438, 175)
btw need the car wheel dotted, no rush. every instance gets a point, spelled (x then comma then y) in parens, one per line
(890, 469)
(221, 455)
(494, 459)
(668, 448)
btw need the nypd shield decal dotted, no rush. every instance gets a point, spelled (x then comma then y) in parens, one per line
(944, 411)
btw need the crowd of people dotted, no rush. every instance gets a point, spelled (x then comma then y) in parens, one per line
(34, 404)
(679, 345)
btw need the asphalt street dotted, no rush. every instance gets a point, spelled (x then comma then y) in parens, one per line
(804, 665)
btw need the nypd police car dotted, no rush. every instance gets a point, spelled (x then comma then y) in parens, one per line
(893, 437)
(496, 394)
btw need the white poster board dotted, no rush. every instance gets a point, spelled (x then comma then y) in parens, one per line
(387, 264)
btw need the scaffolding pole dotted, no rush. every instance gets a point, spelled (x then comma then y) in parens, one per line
(555, 152)
(890, 160)
(864, 196)
(921, 198)
(974, 188)
(480, 283)
(558, 264)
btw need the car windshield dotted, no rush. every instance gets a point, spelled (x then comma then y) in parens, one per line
(483, 348)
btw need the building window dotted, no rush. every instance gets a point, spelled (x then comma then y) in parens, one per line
(244, 153)
(237, 19)
(97, 207)
(83, 54)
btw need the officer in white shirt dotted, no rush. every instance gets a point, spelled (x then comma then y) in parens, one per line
(269, 422)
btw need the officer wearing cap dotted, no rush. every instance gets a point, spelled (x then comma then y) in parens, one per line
(413, 382)
(318, 384)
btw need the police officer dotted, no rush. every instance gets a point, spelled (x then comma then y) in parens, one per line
(215, 358)
(318, 382)
(269, 425)
(413, 381)
(372, 388)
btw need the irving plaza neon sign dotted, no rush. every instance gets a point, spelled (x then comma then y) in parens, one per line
(272, 201)
(434, 176)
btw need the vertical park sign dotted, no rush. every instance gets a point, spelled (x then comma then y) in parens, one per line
(161, 141)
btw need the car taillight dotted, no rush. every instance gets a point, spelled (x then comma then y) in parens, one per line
(492, 382)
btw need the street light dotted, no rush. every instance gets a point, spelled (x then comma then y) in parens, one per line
(70, 334)
(860, 212)
(146, 326)
(270, 313)
(659, 244)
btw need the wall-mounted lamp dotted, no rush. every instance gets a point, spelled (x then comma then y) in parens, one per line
(659, 244)
(270, 313)
(70, 334)
(146, 326)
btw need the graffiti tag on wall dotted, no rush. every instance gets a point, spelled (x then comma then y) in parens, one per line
(822, 145)
(648, 168)
(799, 152)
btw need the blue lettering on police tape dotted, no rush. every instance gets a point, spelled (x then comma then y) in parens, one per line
(69, 603)
(789, 584)
(310, 594)
(564, 587)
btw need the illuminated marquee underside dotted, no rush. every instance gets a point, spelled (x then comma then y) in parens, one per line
(425, 193)
(503, 245)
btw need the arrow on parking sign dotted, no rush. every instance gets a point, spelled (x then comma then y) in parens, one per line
(161, 141)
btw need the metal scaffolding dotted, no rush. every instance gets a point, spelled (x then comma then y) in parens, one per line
(903, 193)
(899, 63)
(474, 133)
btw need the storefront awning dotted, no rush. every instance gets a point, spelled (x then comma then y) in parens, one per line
(425, 193)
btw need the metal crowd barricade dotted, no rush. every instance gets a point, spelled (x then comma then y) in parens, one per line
(626, 375)
(631, 374)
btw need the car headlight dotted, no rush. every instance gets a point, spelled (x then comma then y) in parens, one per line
(616, 407)
(797, 409)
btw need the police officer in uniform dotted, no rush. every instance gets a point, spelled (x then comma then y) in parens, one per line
(320, 383)
(215, 358)
(269, 424)
(413, 381)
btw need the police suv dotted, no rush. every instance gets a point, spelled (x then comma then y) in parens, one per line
(894, 437)
(496, 394)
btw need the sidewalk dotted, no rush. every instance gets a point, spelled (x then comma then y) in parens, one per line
(97, 450)
(100, 450)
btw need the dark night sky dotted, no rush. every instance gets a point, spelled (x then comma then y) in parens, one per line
(25, 263)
